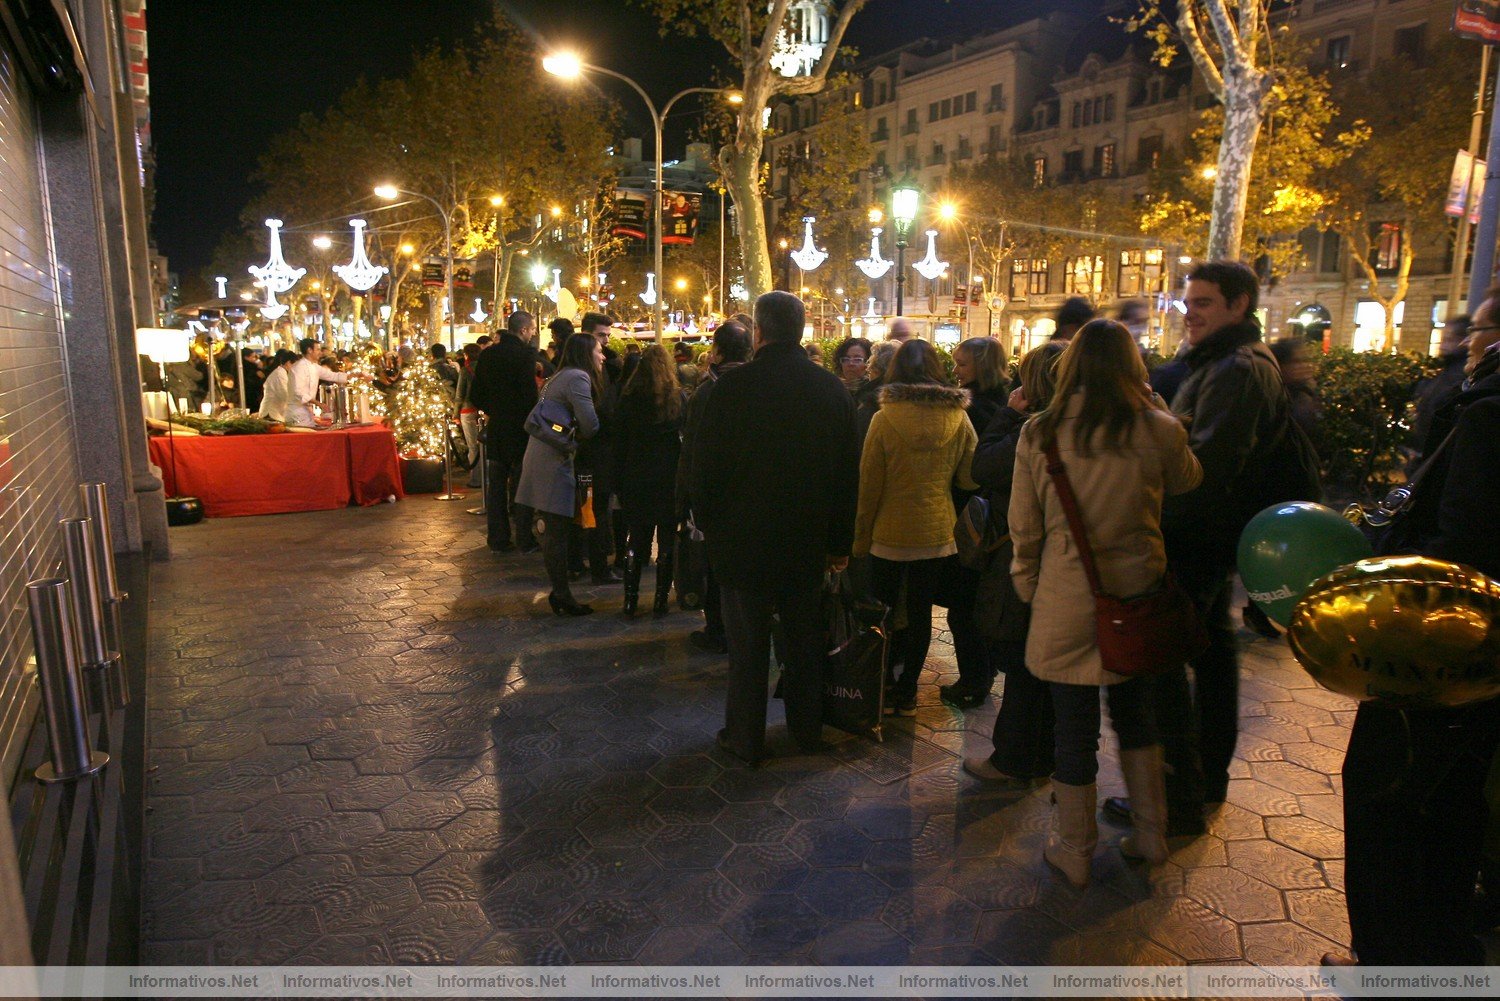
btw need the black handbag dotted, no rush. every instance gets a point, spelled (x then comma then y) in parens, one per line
(552, 422)
(854, 660)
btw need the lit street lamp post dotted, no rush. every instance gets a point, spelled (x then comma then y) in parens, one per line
(904, 199)
(569, 66)
(389, 193)
(949, 213)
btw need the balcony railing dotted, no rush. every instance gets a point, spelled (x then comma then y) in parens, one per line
(962, 153)
(937, 159)
(910, 128)
(880, 136)
(991, 107)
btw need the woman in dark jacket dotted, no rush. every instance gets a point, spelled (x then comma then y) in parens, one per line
(979, 365)
(647, 451)
(1023, 735)
(867, 398)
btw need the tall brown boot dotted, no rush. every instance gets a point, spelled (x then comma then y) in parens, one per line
(1075, 833)
(1147, 786)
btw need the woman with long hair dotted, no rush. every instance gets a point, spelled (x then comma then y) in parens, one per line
(979, 366)
(650, 443)
(1022, 738)
(1123, 451)
(920, 445)
(549, 483)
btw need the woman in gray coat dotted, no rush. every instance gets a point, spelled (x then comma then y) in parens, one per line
(548, 483)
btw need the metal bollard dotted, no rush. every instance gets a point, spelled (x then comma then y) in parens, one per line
(62, 693)
(101, 665)
(484, 475)
(95, 498)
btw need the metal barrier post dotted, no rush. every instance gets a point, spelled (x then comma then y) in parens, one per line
(484, 472)
(95, 498)
(62, 693)
(100, 664)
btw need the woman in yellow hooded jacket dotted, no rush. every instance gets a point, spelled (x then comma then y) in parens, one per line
(919, 446)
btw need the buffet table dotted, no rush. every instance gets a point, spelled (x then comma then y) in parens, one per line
(277, 473)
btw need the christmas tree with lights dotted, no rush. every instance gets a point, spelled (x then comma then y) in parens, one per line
(423, 404)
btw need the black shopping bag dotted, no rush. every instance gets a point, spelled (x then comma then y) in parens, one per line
(690, 567)
(854, 660)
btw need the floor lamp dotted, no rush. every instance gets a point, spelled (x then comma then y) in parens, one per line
(165, 346)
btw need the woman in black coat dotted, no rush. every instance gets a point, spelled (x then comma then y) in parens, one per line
(647, 449)
(979, 365)
(1023, 737)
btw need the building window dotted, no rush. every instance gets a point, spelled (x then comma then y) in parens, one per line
(1040, 274)
(1148, 153)
(932, 112)
(1338, 52)
(1077, 114)
(1388, 247)
(997, 97)
(1038, 171)
(1153, 92)
(911, 119)
(1104, 160)
(946, 111)
(1098, 109)
(880, 159)
(1085, 276)
(1020, 269)
(1140, 272)
(1411, 43)
(1072, 166)
(971, 100)
(1109, 107)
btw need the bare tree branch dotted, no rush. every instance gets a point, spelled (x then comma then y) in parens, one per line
(1187, 26)
(774, 22)
(813, 82)
(1229, 39)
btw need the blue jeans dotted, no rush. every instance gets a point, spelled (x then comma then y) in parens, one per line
(1075, 710)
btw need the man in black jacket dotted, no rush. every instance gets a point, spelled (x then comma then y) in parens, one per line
(505, 389)
(774, 484)
(1234, 407)
(1414, 778)
(731, 349)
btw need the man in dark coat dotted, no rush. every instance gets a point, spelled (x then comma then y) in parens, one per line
(774, 484)
(1235, 410)
(505, 389)
(1414, 779)
(731, 349)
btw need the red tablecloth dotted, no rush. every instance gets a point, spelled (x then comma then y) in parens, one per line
(276, 473)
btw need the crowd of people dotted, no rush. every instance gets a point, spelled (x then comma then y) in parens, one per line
(788, 472)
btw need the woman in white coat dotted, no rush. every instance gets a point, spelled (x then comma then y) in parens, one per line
(1123, 451)
(548, 483)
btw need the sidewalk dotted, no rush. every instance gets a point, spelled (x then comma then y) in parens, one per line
(373, 744)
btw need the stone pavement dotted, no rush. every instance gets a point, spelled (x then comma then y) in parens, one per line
(373, 744)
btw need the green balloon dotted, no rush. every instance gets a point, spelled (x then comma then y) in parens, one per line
(1288, 546)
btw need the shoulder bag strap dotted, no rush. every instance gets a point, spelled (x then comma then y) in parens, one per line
(1421, 471)
(1064, 487)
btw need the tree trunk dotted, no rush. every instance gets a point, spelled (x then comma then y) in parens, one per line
(1403, 284)
(1244, 106)
(741, 167)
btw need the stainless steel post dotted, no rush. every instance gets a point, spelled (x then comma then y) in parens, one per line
(95, 498)
(62, 692)
(101, 666)
(484, 473)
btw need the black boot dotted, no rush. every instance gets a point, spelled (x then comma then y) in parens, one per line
(632, 583)
(663, 588)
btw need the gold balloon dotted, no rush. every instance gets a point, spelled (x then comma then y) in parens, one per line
(1405, 629)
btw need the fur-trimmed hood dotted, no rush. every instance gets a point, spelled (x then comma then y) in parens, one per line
(929, 394)
(924, 415)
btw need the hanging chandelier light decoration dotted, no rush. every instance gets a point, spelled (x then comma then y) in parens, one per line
(276, 274)
(930, 267)
(649, 296)
(359, 274)
(870, 314)
(479, 315)
(556, 288)
(874, 266)
(221, 287)
(809, 257)
(271, 309)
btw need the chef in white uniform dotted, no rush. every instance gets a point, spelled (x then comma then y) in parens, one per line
(305, 375)
(277, 389)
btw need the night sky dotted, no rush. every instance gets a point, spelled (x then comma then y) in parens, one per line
(228, 75)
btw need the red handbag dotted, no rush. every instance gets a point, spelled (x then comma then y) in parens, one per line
(1136, 636)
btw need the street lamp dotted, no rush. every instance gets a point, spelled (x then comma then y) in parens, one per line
(904, 200)
(949, 213)
(390, 192)
(570, 66)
